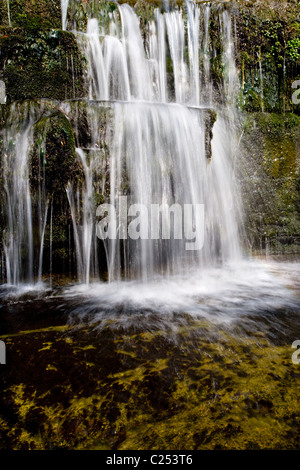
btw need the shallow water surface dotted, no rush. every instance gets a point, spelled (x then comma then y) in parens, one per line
(128, 365)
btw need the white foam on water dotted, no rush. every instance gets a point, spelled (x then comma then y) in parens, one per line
(221, 295)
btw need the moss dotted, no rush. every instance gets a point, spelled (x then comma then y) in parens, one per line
(4, 20)
(268, 39)
(53, 165)
(280, 152)
(40, 64)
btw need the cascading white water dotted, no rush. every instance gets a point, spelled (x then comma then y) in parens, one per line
(207, 83)
(175, 29)
(122, 66)
(157, 56)
(21, 231)
(173, 62)
(43, 206)
(157, 153)
(230, 71)
(161, 148)
(193, 49)
(18, 237)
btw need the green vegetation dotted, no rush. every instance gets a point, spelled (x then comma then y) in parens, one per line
(32, 14)
(40, 64)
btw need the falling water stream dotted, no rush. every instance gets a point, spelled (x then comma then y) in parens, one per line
(18, 235)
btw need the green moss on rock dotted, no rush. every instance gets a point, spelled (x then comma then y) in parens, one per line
(32, 14)
(268, 53)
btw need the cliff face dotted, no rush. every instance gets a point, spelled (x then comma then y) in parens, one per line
(266, 35)
(268, 58)
(38, 61)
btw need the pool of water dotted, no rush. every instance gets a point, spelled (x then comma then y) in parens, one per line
(250, 295)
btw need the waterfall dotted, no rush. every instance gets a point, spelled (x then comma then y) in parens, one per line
(207, 84)
(43, 221)
(24, 231)
(230, 72)
(2, 92)
(127, 63)
(51, 244)
(193, 48)
(157, 56)
(162, 148)
(157, 150)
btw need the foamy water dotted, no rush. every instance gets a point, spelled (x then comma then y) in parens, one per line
(222, 295)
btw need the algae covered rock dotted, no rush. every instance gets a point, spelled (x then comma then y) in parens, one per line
(268, 53)
(31, 13)
(40, 64)
(55, 145)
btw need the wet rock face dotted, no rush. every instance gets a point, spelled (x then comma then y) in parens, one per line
(40, 64)
(39, 61)
(268, 54)
(31, 14)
